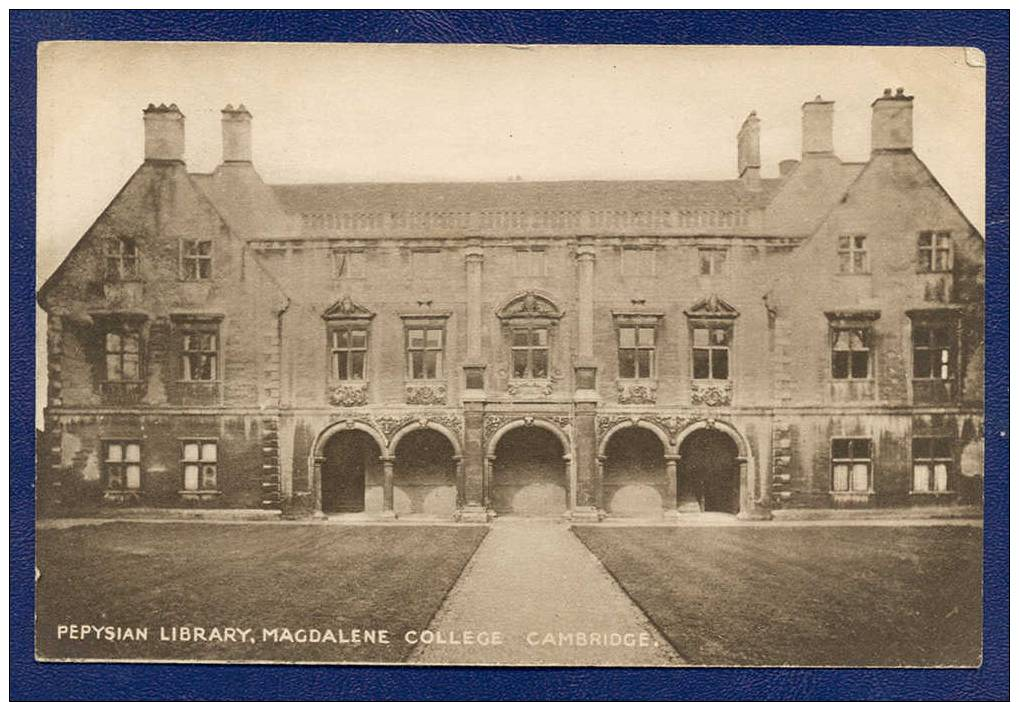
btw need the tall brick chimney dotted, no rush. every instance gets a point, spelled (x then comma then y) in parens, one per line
(892, 124)
(164, 133)
(818, 126)
(236, 134)
(748, 150)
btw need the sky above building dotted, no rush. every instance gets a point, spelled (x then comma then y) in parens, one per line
(357, 112)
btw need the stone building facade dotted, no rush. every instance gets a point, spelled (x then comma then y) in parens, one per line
(465, 350)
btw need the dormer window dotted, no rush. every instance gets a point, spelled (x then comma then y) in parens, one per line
(195, 259)
(934, 252)
(853, 254)
(121, 259)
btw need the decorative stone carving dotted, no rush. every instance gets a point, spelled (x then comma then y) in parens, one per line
(389, 425)
(347, 309)
(430, 394)
(530, 305)
(636, 393)
(670, 424)
(349, 394)
(453, 422)
(493, 422)
(562, 420)
(530, 387)
(711, 394)
(712, 306)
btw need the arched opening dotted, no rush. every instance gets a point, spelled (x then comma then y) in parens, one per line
(529, 473)
(634, 479)
(351, 473)
(424, 474)
(708, 476)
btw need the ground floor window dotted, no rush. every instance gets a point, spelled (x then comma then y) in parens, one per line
(932, 459)
(199, 462)
(123, 465)
(851, 465)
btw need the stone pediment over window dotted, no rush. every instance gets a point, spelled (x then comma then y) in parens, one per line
(530, 306)
(347, 309)
(712, 307)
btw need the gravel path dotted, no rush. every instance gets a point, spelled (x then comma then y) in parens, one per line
(534, 586)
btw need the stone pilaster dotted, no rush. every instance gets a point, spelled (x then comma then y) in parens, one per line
(473, 462)
(270, 463)
(474, 366)
(585, 449)
(671, 472)
(585, 369)
(387, 484)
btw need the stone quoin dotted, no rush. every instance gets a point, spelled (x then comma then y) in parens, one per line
(569, 348)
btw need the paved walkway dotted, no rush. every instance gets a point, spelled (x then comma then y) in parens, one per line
(550, 601)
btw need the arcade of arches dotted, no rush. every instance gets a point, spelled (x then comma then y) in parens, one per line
(528, 474)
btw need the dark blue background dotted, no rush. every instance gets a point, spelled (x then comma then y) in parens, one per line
(29, 680)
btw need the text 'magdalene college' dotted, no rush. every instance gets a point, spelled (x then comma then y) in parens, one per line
(582, 348)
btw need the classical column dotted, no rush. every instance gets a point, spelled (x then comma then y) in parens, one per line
(474, 365)
(387, 483)
(585, 368)
(599, 485)
(671, 472)
(315, 484)
(459, 463)
(585, 451)
(473, 465)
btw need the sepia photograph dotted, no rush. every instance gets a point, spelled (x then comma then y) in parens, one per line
(510, 355)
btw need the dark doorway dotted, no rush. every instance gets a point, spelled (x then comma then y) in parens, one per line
(634, 481)
(529, 475)
(708, 475)
(424, 474)
(349, 455)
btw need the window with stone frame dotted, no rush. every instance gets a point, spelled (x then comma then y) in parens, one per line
(348, 351)
(712, 260)
(122, 355)
(851, 465)
(529, 349)
(199, 464)
(195, 259)
(425, 345)
(122, 465)
(934, 252)
(932, 463)
(934, 349)
(851, 351)
(199, 353)
(711, 343)
(853, 254)
(636, 349)
(121, 256)
(349, 265)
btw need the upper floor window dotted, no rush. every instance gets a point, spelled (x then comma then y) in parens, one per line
(636, 350)
(933, 350)
(851, 465)
(529, 263)
(529, 349)
(853, 254)
(121, 258)
(711, 351)
(195, 259)
(850, 352)
(934, 251)
(122, 465)
(932, 462)
(425, 352)
(199, 354)
(198, 464)
(123, 356)
(426, 263)
(349, 264)
(637, 262)
(712, 261)
(348, 348)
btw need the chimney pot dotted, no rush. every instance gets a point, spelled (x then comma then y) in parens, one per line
(892, 122)
(164, 133)
(748, 150)
(236, 134)
(818, 126)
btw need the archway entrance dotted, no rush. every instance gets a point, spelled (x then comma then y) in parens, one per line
(708, 475)
(634, 480)
(529, 473)
(424, 474)
(351, 472)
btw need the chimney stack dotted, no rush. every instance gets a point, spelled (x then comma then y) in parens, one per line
(787, 166)
(892, 124)
(748, 150)
(818, 126)
(236, 134)
(164, 133)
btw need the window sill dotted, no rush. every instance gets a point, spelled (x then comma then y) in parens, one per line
(851, 493)
(199, 495)
(121, 496)
(932, 493)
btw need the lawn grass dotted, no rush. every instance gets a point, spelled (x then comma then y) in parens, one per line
(811, 595)
(133, 574)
